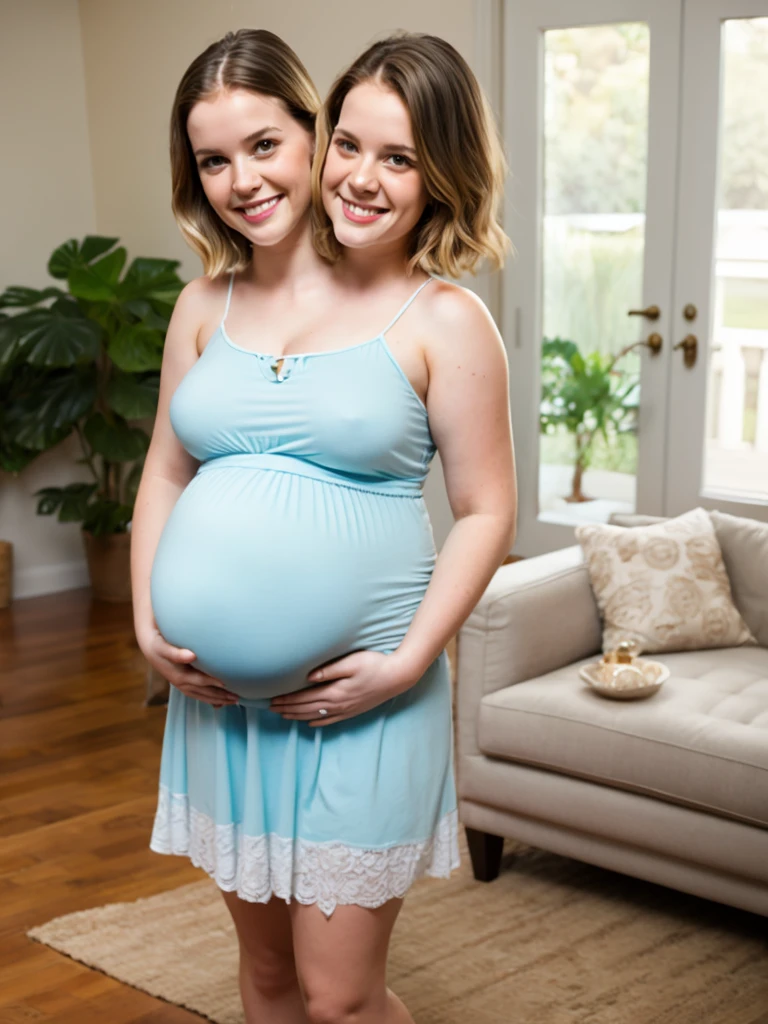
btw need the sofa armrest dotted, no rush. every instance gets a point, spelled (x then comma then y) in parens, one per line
(535, 616)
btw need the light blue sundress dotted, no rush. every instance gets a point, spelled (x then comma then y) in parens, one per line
(303, 536)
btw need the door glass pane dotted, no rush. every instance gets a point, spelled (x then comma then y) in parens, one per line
(595, 136)
(736, 450)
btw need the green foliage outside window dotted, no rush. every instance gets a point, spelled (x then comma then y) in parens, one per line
(589, 397)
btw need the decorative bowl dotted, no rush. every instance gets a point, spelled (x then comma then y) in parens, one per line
(641, 678)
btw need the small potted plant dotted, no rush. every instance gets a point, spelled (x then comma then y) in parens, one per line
(589, 397)
(85, 360)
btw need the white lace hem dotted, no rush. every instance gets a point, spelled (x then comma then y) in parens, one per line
(329, 873)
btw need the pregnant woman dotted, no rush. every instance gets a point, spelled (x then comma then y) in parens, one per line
(285, 574)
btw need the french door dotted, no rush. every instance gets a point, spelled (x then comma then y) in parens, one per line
(636, 132)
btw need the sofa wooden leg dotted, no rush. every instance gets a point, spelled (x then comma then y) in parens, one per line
(485, 852)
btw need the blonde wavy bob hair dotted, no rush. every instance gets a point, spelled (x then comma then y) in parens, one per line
(251, 59)
(457, 145)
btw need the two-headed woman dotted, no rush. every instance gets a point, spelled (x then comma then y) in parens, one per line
(285, 575)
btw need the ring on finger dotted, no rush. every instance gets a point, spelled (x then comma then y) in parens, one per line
(322, 712)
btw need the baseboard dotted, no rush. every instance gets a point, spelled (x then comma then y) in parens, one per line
(49, 579)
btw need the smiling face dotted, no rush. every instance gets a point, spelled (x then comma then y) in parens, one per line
(254, 160)
(372, 188)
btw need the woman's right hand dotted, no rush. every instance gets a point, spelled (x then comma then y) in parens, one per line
(173, 664)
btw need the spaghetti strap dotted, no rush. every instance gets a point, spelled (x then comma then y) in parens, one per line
(406, 305)
(229, 297)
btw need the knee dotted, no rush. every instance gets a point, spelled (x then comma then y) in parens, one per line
(329, 1006)
(271, 974)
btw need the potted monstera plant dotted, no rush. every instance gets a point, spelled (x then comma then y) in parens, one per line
(589, 396)
(13, 458)
(83, 359)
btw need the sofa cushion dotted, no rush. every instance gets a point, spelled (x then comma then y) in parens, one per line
(663, 585)
(702, 740)
(744, 543)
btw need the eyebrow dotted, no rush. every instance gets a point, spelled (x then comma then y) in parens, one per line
(387, 149)
(253, 137)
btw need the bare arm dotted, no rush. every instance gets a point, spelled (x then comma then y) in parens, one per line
(167, 471)
(468, 405)
(168, 467)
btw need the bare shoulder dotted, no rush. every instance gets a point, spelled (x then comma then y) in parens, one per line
(460, 324)
(202, 295)
(200, 303)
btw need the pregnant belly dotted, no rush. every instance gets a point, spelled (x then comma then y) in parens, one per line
(266, 572)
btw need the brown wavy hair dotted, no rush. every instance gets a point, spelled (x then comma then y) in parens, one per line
(457, 146)
(253, 59)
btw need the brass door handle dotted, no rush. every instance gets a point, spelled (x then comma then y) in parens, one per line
(650, 312)
(654, 342)
(689, 345)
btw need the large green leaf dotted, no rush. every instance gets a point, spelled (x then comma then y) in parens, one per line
(151, 279)
(136, 348)
(63, 259)
(13, 458)
(131, 397)
(117, 442)
(140, 308)
(146, 311)
(11, 345)
(17, 296)
(165, 308)
(97, 282)
(107, 516)
(48, 412)
(94, 246)
(72, 254)
(70, 502)
(59, 336)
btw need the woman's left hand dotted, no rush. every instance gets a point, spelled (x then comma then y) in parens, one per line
(357, 683)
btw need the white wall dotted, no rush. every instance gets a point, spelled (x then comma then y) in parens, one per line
(46, 195)
(90, 128)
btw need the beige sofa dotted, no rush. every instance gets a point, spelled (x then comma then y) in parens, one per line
(673, 789)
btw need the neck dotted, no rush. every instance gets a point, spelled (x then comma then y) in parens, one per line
(374, 264)
(288, 261)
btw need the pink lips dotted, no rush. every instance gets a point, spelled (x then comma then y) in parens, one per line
(257, 218)
(356, 218)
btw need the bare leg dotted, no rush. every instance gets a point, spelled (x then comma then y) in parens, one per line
(342, 964)
(269, 986)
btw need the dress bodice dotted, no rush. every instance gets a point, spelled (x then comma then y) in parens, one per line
(350, 410)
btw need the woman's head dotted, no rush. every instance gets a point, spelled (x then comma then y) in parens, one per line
(408, 154)
(242, 138)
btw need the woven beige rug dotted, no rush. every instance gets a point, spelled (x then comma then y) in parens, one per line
(552, 941)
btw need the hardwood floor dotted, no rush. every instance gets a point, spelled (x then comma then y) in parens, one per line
(79, 760)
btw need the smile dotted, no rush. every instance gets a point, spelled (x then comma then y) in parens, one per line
(259, 211)
(361, 214)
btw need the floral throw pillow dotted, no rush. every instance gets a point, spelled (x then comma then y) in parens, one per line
(663, 585)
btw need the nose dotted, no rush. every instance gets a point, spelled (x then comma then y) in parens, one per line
(245, 177)
(363, 177)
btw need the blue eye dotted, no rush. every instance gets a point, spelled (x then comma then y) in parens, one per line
(265, 146)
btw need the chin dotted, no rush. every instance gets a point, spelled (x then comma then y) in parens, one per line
(271, 234)
(353, 238)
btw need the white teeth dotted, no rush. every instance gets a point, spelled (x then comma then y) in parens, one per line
(267, 205)
(360, 212)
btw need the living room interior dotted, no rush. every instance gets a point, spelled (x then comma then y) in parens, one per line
(610, 687)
